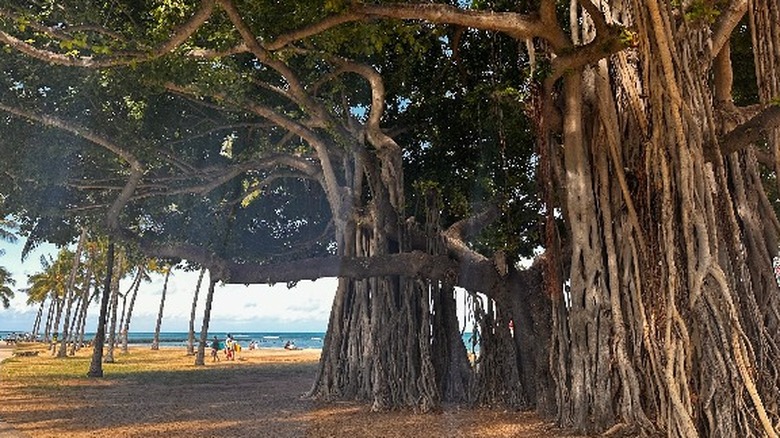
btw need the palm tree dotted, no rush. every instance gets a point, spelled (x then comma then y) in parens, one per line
(191, 336)
(5, 291)
(204, 330)
(120, 269)
(49, 283)
(70, 293)
(96, 265)
(156, 342)
(141, 275)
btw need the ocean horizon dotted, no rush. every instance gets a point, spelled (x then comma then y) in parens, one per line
(268, 339)
(304, 340)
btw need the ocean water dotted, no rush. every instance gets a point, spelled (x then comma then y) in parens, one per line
(263, 339)
(303, 340)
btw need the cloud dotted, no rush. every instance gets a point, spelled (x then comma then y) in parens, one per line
(305, 307)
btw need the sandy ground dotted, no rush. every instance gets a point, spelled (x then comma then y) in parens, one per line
(6, 351)
(7, 431)
(257, 396)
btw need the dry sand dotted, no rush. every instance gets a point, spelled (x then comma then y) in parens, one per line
(256, 396)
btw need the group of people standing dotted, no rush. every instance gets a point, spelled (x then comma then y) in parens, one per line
(232, 348)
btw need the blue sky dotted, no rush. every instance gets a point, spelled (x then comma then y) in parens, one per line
(305, 307)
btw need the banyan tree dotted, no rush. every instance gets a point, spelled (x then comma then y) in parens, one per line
(653, 309)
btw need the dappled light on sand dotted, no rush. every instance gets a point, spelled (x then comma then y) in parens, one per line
(161, 393)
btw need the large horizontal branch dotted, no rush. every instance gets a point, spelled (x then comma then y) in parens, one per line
(516, 25)
(520, 26)
(751, 131)
(475, 277)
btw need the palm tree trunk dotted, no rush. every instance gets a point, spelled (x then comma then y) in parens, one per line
(96, 366)
(49, 318)
(37, 323)
(76, 331)
(73, 326)
(126, 326)
(70, 294)
(156, 341)
(57, 318)
(84, 309)
(204, 331)
(114, 307)
(123, 314)
(191, 336)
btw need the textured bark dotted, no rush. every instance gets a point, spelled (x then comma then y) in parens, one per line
(670, 291)
(530, 309)
(96, 365)
(454, 376)
(498, 381)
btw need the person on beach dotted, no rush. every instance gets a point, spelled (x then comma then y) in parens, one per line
(229, 347)
(215, 350)
(54, 338)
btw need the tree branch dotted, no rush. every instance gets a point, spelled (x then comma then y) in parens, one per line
(513, 24)
(456, 235)
(727, 21)
(751, 131)
(475, 277)
(136, 168)
(181, 34)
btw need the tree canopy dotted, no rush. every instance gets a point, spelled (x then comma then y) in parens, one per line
(411, 148)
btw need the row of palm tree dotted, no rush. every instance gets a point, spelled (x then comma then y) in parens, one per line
(68, 283)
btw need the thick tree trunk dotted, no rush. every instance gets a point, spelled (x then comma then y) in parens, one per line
(532, 321)
(96, 365)
(497, 372)
(378, 344)
(454, 376)
(670, 302)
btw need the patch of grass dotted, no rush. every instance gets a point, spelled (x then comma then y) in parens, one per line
(168, 367)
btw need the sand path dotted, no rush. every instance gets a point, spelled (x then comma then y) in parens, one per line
(258, 395)
(7, 431)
